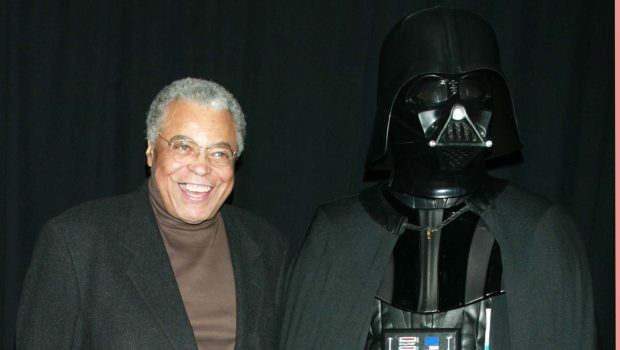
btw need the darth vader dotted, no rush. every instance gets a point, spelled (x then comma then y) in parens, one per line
(442, 255)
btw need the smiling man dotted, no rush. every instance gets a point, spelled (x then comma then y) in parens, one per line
(169, 266)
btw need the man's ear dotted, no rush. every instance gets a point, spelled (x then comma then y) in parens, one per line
(150, 154)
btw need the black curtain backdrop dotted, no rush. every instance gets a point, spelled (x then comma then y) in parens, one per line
(77, 78)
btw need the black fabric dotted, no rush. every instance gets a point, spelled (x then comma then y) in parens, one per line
(345, 253)
(100, 278)
(77, 78)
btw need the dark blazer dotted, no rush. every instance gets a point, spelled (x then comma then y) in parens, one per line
(100, 278)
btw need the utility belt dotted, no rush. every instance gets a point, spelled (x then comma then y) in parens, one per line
(479, 326)
(422, 339)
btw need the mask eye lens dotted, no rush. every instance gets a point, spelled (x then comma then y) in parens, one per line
(428, 91)
(474, 88)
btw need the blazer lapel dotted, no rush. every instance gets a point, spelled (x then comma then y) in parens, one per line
(152, 275)
(248, 270)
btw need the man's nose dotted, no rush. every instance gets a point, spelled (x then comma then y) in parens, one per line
(201, 165)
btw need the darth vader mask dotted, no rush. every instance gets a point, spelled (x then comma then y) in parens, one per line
(446, 113)
(443, 105)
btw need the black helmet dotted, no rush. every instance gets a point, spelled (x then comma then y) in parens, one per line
(449, 42)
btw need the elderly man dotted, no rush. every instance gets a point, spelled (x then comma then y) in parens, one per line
(169, 266)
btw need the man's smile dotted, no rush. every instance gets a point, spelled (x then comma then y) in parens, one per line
(195, 191)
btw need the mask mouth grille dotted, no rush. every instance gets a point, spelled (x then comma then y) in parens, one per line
(457, 158)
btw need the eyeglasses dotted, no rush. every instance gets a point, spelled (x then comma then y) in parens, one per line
(185, 151)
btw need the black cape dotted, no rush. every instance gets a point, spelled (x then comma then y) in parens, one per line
(345, 252)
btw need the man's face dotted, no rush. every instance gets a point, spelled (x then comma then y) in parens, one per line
(193, 191)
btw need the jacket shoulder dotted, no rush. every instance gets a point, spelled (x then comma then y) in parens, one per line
(95, 211)
(98, 220)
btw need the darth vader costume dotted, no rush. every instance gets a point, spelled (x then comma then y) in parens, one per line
(442, 256)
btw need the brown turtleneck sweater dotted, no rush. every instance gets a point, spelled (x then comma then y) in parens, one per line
(200, 258)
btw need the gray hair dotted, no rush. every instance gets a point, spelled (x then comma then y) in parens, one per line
(203, 92)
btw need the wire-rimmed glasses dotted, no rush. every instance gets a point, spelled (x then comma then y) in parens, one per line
(185, 151)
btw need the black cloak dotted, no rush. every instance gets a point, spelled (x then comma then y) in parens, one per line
(345, 253)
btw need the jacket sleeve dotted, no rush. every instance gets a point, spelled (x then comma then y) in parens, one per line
(49, 310)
